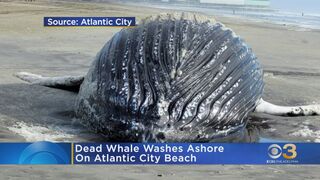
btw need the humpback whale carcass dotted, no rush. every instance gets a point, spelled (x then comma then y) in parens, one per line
(170, 79)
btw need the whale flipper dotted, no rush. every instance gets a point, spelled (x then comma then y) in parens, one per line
(71, 83)
(269, 108)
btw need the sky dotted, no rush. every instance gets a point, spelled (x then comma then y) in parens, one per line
(306, 6)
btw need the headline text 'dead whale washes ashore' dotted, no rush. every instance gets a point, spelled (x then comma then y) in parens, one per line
(200, 148)
(117, 153)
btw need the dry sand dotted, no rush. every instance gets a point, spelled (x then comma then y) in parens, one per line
(291, 59)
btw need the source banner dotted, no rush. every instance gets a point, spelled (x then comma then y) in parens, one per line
(89, 21)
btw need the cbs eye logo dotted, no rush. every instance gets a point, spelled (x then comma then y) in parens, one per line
(288, 151)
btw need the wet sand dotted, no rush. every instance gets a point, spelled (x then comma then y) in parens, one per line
(290, 58)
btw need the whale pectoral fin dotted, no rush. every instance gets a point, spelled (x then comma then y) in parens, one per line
(269, 108)
(71, 83)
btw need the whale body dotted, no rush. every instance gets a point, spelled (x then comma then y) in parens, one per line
(171, 79)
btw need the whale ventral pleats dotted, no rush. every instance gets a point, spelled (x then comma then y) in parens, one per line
(173, 78)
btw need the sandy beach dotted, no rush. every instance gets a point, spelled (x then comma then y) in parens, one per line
(289, 56)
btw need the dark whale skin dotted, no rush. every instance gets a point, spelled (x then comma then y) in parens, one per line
(171, 79)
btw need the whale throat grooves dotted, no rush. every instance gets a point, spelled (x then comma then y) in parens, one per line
(171, 79)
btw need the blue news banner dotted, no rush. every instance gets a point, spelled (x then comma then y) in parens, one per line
(159, 153)
(89, 21)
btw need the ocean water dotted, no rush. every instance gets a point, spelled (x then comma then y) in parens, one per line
(300, 20)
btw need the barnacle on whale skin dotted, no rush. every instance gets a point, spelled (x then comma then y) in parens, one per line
(173, 78)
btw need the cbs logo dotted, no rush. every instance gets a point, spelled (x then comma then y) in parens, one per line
(288, 151)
